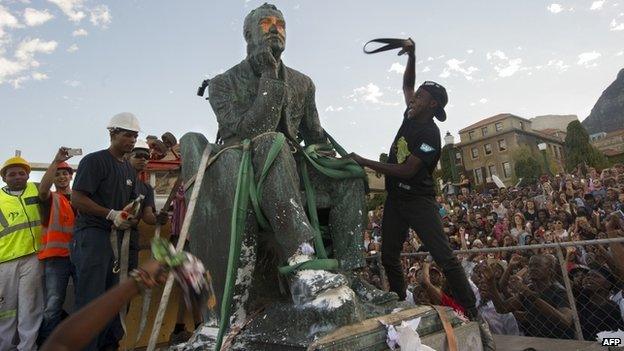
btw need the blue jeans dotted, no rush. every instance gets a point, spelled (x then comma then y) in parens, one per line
(57, 271)
(92, 255)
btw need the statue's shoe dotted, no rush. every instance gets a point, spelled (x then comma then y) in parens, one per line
(309, 284)
(369, 293)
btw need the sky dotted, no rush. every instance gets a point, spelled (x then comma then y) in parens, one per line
(67, 66)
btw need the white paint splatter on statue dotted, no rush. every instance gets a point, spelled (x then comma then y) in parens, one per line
(332, 299)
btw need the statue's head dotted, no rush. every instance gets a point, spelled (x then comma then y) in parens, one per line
(265, 27)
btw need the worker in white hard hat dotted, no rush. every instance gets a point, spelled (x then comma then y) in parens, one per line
(138, 159)
(21, 284)
(105, 183)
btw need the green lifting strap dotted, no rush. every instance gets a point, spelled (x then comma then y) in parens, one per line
(334, 168)
(319, 247)
(256, 189)
(237, 225)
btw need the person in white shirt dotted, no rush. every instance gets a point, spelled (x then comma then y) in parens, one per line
(499, 208)
(500, 323)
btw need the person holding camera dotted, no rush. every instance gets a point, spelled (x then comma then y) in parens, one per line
(58, 221)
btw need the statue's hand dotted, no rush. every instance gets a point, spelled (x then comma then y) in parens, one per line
(267, 63)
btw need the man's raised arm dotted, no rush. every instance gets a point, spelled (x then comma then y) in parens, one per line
(409, 76)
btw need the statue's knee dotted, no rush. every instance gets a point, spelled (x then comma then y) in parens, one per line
(192, 141)
(264, 143)
(353, 187)
(192, 146)
(265, 138)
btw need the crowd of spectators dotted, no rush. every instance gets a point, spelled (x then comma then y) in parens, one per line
(522, 291)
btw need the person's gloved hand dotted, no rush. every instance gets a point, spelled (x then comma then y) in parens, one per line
(120, 219)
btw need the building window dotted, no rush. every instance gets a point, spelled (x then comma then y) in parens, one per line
(492, 170)
(521, 125)
(488, 149)
(556, 151)
(478, 175)
(506, 169)
(484, 131)
(502, 145)
(499, 126)
(471, 135)
(475, 152)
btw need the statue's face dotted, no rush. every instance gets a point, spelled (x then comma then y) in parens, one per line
(269, 31)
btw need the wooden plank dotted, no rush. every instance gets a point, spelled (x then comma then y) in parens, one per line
(468, 338)
(370, 334)
(372, 324)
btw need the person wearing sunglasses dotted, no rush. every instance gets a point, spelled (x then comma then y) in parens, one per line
(139, 159)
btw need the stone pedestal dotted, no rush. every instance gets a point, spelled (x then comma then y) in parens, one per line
(284, 328)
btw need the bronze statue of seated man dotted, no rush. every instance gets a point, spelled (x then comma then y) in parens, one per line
(255, 100)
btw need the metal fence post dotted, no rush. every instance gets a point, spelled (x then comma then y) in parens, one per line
(571, 301)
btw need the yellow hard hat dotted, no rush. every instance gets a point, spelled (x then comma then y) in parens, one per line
(15, 161)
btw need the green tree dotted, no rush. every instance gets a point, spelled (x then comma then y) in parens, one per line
(383, 157)
(579, 150)
(375, 201)
(527, 165)
(446, 163)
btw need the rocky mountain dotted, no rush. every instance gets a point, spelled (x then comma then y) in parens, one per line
(607, 114)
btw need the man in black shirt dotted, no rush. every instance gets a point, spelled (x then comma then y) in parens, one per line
(541, 307)
(105, 183)
(413, 157)
(597, 313)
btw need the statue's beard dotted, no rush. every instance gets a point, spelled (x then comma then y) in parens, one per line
(256, 47)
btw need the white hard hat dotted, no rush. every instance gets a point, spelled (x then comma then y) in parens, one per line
(141, 144)
(124, 120)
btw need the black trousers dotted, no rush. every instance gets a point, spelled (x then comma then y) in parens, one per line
(420, 214)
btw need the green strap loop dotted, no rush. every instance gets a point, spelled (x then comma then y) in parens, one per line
(256, 189)
(343, 168)
(276, 148)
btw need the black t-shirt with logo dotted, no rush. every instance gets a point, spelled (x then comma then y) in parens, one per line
(107, 181)
(421, 139)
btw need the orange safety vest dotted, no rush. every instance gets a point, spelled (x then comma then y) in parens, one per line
(57, 234)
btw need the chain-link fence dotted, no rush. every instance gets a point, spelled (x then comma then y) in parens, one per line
(563, 290)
